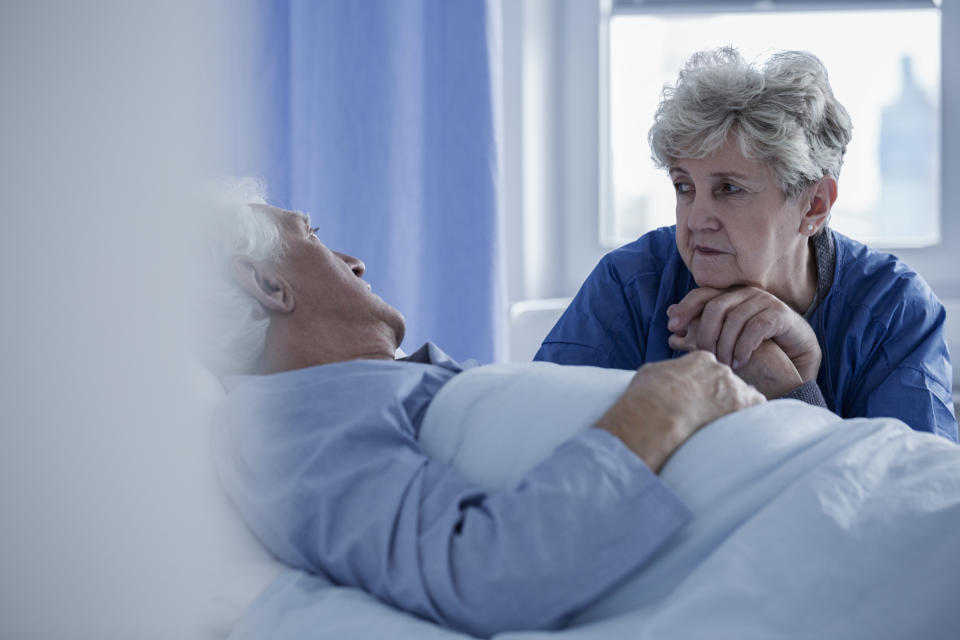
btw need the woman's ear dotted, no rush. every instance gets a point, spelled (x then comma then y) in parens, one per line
(822, 197)
(264, 284)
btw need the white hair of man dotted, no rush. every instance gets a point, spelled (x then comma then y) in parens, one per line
(782, 113)
(233, 325)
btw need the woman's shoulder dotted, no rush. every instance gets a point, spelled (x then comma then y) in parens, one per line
(878, 280)
(650, 254)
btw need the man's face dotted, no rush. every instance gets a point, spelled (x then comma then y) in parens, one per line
(329, 292)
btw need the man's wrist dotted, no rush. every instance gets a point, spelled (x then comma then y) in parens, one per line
(651, 443)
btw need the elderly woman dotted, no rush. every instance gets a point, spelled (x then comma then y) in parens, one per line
(751, 271)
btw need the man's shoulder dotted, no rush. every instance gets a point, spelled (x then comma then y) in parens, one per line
(321, 387)
(331, 400)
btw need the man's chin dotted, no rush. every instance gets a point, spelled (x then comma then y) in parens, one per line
(399, 325)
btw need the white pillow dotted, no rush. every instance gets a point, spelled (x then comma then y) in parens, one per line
(229, 558)
(533, 406)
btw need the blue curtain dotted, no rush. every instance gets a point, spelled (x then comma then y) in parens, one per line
(377, 117)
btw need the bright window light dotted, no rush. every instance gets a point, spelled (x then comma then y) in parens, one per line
(884, 67)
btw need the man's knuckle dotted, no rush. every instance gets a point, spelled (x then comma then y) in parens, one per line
(706, 356)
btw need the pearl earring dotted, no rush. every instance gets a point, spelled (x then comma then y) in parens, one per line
(809, 227)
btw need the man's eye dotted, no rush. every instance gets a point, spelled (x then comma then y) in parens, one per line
(314, 230)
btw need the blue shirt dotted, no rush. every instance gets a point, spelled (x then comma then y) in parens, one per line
(880, 328)
(324, 466)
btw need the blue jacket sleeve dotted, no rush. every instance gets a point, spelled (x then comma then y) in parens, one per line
(911, 379)
(600, 327)
(618, 318)
(332, 481)
(881, 329)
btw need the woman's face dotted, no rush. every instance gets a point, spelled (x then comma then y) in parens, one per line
(734, 226)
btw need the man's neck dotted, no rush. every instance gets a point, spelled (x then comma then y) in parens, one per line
(286, 350)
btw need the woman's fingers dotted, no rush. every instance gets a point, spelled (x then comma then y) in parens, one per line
(734, 347)
(681, 313)
(720, 322)
(762, 325)
(733, 323)
(792, 333)
(686, 341)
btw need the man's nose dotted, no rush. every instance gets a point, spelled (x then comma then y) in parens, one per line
(356, 264)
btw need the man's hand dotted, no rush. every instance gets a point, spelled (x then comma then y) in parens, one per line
(668, 401)
(733, 323)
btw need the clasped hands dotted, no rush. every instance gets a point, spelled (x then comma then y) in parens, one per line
(768, 344)
(770, 350)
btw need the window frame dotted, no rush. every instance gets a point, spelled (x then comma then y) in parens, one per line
(608, 216)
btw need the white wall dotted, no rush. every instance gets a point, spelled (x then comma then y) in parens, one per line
(103, 132)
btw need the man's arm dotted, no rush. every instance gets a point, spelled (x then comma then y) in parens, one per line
(343, 489)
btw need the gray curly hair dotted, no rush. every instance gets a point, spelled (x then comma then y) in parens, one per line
(233, 325)
(782, 113)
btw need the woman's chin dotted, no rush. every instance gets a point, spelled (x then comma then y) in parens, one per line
(715, 280)
(714, 271)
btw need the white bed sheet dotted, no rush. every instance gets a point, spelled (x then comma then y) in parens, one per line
(805, 526)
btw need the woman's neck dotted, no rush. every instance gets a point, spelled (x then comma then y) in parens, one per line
(798, 292)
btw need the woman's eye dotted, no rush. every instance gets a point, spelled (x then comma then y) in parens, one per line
(682, 188)
(728, 188)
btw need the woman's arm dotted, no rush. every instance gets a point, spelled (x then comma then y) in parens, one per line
(909, 374)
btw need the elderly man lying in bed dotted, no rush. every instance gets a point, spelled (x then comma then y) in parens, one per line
(323, 446)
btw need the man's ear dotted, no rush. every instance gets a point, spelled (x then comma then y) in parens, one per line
(263, 283)
(822, 197)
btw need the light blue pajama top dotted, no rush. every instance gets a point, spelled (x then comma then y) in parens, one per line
(324, 466)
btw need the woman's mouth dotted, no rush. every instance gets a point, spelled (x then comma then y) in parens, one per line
(707, 251)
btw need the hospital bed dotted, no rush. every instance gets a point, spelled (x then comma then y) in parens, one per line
(827, 529)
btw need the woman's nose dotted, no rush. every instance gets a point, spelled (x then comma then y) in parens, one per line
(701, 216)
(356, 264)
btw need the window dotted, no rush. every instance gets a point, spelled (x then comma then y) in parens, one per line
(884, 66)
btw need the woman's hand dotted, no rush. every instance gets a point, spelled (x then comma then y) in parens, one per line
(769, 370)
(733, 323)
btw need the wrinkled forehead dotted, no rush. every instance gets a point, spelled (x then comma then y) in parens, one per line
(291, 220)
(728, 159)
